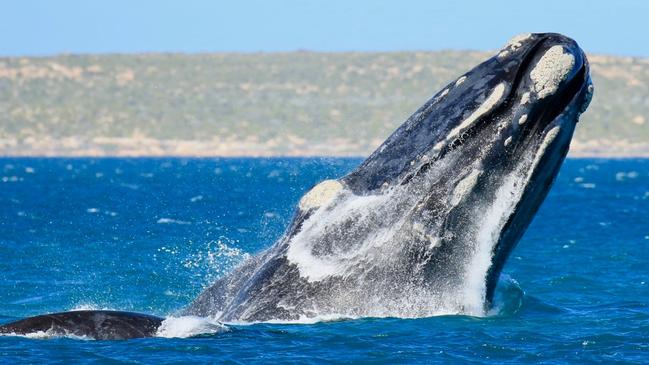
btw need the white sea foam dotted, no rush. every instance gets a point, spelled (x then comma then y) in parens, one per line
(89, 307)
(622, 175)
(171, 221)
(196, 198)
(331, 317)
(189, 326)
(47, 335)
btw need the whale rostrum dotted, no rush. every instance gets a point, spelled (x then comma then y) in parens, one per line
(426, 223)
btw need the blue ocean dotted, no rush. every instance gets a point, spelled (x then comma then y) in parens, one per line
(148, 235)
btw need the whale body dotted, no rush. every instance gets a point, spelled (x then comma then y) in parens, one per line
(94, 324)
(426, 223)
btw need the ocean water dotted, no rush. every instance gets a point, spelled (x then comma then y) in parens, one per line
(148, 235)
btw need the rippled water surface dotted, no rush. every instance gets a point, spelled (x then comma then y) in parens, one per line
(148, 235)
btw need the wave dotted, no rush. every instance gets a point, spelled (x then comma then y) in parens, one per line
(508, 299)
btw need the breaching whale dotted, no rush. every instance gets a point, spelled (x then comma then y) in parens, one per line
(425, 224)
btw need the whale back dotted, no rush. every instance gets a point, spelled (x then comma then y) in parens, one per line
(93, 324)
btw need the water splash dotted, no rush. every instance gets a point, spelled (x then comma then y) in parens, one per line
(89, 307)
(215, 259)
(189, 326)
(495, 217)
(47, 335)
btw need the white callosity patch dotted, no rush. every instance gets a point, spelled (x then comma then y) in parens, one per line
(483, 109)
(525, 98)
(508, 141)
(551, 136)
(321, 194)
(460, 80)
(442, 95)
(522, 119)
(553, 68)
(514, 44)
(517, 41)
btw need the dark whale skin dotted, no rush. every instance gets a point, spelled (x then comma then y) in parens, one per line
(95, 324)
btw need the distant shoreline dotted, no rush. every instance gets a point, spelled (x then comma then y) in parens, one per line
(203, 150)
(289, 146)
(261, 105)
